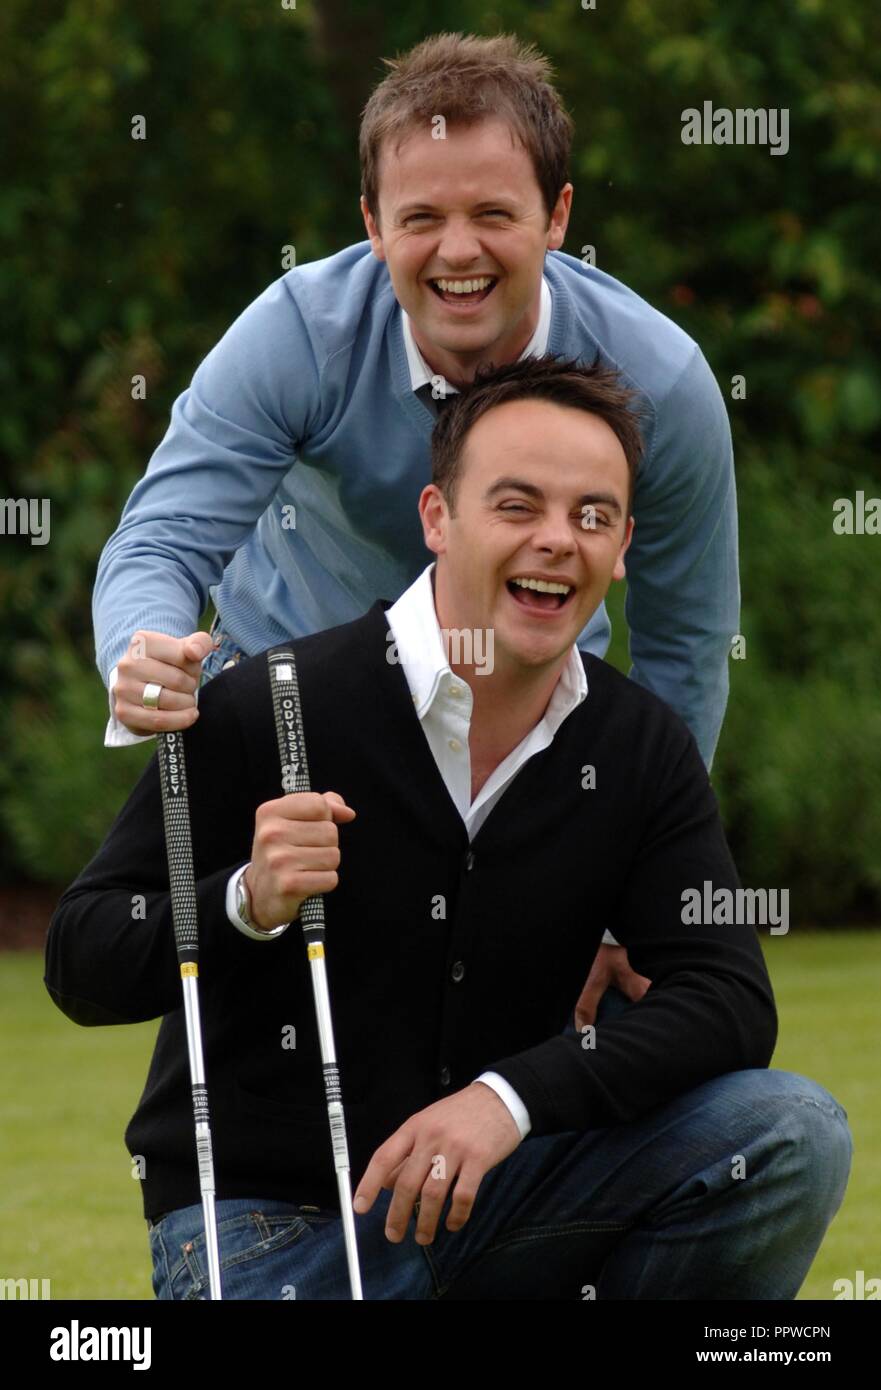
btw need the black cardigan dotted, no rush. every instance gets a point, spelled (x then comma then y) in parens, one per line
(443, 958)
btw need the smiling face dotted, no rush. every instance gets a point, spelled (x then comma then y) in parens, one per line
(532, 474)
(465, 211)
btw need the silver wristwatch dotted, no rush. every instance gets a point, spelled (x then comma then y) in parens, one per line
(243, 909)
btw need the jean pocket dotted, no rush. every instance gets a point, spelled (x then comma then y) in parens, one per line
(215, 661)
(241, 1239)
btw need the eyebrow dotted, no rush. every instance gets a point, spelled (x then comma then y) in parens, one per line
(504, 199)
(606, 499)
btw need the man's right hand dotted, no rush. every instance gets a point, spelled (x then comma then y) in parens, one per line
(295, 854)
(175, 663)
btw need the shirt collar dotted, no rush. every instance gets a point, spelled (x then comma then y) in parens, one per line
(420, 649)
(420, 372)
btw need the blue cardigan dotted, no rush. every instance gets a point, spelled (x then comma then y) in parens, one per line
(286, 485)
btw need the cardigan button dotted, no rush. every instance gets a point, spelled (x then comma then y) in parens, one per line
(469, 860)
(444, 1076)
(457, 971)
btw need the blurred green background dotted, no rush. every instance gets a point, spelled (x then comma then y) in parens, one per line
(122, 257)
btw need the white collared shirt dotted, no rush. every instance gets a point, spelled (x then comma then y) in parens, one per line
(444, 703)
(420, 372)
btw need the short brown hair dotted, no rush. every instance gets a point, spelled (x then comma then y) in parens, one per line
(597, 389)
(467, 79)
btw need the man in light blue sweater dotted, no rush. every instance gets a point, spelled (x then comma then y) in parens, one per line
(285, 488)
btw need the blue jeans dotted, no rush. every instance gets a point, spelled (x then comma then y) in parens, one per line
(227, 652)
(725, 1193)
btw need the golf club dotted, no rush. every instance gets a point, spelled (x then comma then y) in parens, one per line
(179, 847)
(295, 778)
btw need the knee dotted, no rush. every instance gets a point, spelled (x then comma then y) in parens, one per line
(811, 1137)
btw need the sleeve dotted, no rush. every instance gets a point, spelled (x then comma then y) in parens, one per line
(506, 1093)
(683, 587)
(233, 916)
(110, 949)
(116, 735)
(233, 435)
(710, 1008)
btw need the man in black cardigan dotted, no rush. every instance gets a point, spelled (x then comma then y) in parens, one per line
(480, 816)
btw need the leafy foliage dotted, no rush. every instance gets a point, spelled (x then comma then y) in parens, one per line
(124, 257)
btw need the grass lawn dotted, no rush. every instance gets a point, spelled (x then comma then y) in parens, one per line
(70, 1210)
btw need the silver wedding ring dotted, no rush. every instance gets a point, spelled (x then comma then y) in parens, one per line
(151, 695)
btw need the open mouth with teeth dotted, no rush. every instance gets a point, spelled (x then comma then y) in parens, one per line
(472, 291)
(539, 594)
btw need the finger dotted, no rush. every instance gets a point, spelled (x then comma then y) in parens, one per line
(304, 806)
(173, 651)
(464, 1194)
(408, 1191)
(392, 1177)
(339, 809)
(130, 694)
(633, 985)
(304, 859)
(154, 721)
(134, 673)
(434, 1194)
(289, 833)
(388, 1157)
(586, 1008)
(197, 646)
(308, 883)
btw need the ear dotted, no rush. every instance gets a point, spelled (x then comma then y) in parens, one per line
(560, 218)
(619, 572)
(433, 514)
(372, 230)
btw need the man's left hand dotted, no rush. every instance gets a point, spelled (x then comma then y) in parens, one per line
(458, 1138)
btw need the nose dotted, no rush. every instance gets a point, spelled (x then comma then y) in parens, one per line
(459, 245)
(553, 534)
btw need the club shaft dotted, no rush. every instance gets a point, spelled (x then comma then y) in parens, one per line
(204, 1152)
(179, 849)
(335, 1115)
(295, 778)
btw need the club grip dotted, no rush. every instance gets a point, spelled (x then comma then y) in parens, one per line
(178, 842)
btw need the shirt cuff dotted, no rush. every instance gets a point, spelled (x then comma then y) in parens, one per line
(505, 1091)
(232, 912)
(609, 940)
(116, 735)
